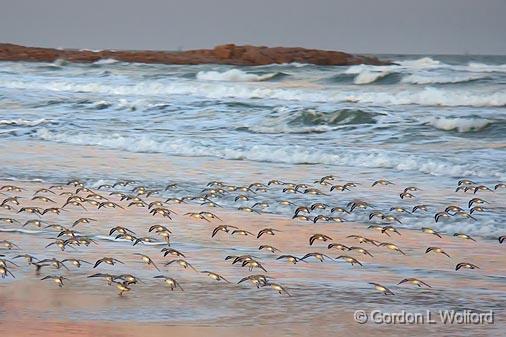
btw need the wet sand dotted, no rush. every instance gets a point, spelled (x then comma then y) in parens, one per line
(86, 161)
(324, 295)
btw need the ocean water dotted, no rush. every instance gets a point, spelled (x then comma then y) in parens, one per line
(426, 120)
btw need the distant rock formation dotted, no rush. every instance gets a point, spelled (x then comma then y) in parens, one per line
(223, 54)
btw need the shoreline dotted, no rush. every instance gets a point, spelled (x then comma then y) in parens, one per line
(327, 292)
(93, 165)
(229, 54)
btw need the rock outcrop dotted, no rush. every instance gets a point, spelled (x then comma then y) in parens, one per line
(223, 54)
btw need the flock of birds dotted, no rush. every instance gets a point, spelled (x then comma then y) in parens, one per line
(126, 194)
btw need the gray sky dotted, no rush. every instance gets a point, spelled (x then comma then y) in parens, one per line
(372, 26)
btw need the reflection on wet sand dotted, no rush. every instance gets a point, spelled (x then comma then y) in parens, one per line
(323, 293)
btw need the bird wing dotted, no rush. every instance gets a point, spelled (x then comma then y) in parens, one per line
(216, 230)
(305, 256)
(192, 267)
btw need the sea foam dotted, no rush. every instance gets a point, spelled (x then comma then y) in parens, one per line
(429, 96)
(440, 79)
(106, 61)
(233, 75)
(273, 153)
(423, 62)
(368, 77)
(459, 124)
(23, 122)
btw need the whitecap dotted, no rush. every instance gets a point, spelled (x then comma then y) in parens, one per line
(275, 153)
(429, 96)
(486, 68)
(440, 79)
(59, 63)
(91, 50)
(233, 75)
(23, 122)
(423, 62)
(485, 228)
(368, 77)
(459, 124)
(106, 61)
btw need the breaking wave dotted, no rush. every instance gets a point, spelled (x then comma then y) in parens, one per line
(235, 75)
(421, 63)
(459, 124)
(429, 96)
(368, 77)
(365, 74)
(272, 153)
(486, 68)
(23, 122)
(105, 61)
(427, 79)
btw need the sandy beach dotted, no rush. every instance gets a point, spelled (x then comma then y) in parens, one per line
(324, 297)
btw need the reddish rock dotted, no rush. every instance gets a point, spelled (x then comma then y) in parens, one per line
(223, 51)
(222, 54)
